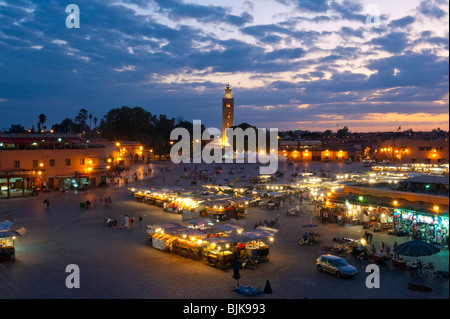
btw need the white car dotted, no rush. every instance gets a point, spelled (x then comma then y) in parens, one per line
(335, 265)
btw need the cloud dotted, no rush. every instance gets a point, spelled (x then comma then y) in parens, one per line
(126, 68)
(394, 42)
(403, 22)
(430, 8)
(175, 57)
(178, 10)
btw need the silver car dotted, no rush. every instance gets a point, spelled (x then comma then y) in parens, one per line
(335, 265)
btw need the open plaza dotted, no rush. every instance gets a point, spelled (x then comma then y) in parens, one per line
(148, 259)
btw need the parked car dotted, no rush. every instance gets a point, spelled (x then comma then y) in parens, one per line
(291, 163)
(348, 160)
(335, 265)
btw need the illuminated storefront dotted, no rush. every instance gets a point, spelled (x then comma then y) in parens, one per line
(427, 227)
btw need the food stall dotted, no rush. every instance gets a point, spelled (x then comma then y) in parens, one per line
(7, 248)
(218, 252)
(239, 206)
(254, 244)
(215, 209)
(162, 236)
(189, 243)
(179, 204)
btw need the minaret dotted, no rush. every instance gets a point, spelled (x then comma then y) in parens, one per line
(227, 112)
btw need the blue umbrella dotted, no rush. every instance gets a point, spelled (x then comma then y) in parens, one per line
(416, 248)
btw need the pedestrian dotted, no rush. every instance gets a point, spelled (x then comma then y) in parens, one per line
(374, 250)
(126, 220)
(109, 199)
(383, 247)
(443, 241)
(140, 221)
(395, 246)
(388, 250)
(106, 200)
(131, 223)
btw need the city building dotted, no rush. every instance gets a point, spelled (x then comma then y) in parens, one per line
(227, 112)
(31, 162)
(413, 150)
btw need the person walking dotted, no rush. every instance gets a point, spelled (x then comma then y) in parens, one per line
(140, 221)
(126, 221)
(388, 250)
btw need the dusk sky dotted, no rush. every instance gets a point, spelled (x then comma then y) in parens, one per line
(292, 64)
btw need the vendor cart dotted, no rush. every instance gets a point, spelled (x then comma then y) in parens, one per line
(7, 248)
(398, 263)
(309, 238)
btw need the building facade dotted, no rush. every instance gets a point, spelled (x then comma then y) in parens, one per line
(227, 112)
(430, 151)
(30, 162)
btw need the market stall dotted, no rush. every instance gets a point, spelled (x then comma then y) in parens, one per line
(189, 243)
(216, 209)
(180, 204)
(7, 248)
(427, 227)
(218, 252)
(254, 244)
(7, 239)
(163, 236)
(238, 207)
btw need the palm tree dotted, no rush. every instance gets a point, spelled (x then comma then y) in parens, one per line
(90, 119)
(42, 119)
(95, 122)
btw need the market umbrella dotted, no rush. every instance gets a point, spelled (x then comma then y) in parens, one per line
(416, 248)
(236, 267)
